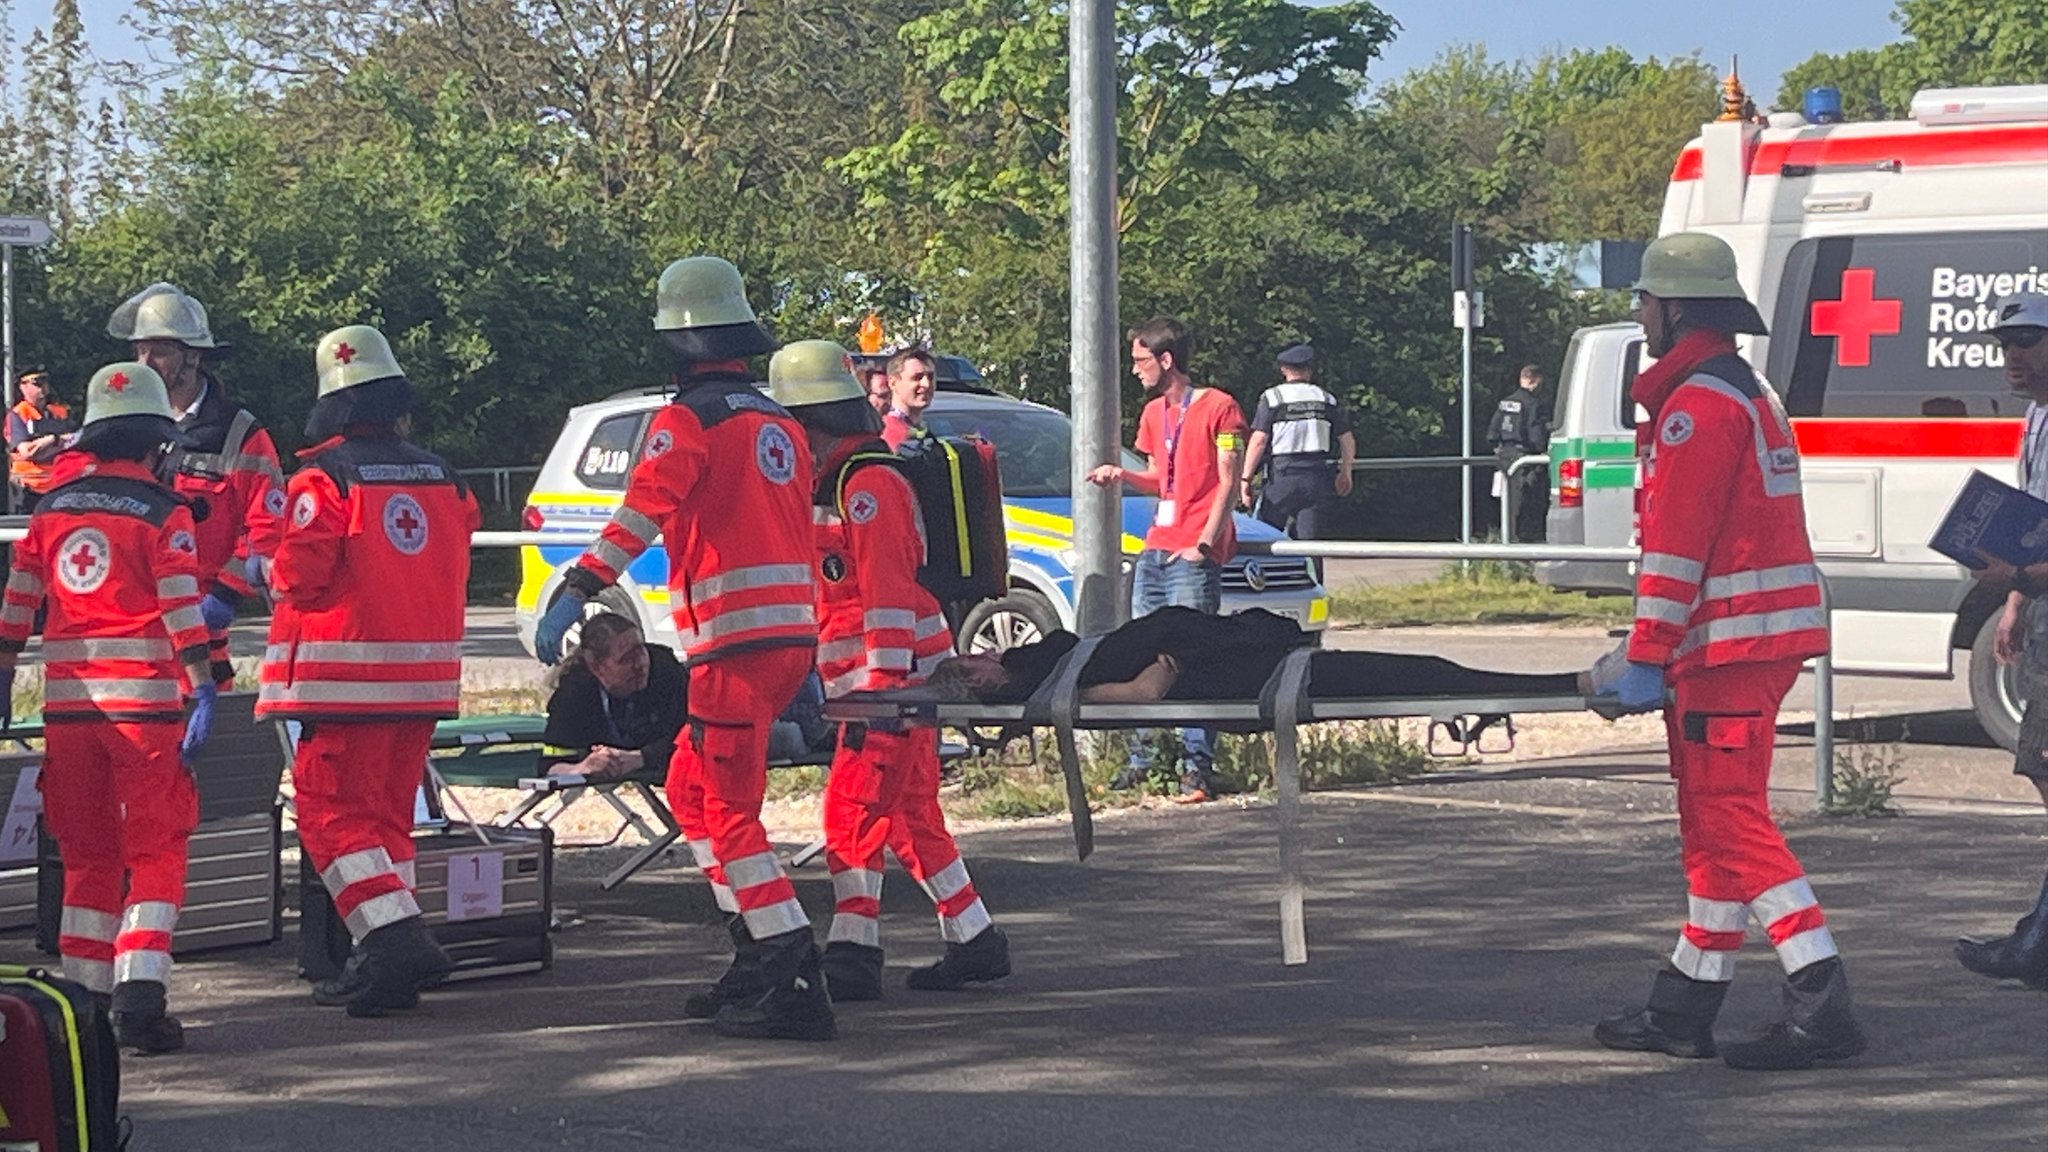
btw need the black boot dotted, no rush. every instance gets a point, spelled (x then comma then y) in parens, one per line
(980, 960)
(796, 1005)
(140, 1023)
(337, 990)
(2020, 956)
(743, 982)
(398, 960)
(1817, 1024)
(1678, 1020)
(852, 971)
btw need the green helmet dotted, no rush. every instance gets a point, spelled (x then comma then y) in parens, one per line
(162, 312)
(701, 304)
(354, 355)
(126, 389)
(1697, 266)
(812, 372)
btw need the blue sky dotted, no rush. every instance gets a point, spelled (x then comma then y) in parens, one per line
(1769, 35)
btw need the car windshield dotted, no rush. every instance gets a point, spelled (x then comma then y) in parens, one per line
(1033, 445)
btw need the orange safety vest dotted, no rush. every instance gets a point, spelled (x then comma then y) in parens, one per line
(370, 582)
(111, 552)
(878, 627)
(50, 420)
(724, 479)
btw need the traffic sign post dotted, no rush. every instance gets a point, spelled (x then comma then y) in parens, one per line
(15, 232)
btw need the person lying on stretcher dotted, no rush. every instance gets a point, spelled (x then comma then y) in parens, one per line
(1182, 654)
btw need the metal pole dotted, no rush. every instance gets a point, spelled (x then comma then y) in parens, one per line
(1092, 312)
(1824, 709)
(1465, 431)
(7, 337)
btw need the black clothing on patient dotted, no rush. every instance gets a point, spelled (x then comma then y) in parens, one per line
(582, 716)
(1232, 658)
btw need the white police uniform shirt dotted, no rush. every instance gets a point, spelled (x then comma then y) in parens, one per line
(1301, 420)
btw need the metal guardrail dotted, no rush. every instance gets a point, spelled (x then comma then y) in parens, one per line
(501, 479)
(1507, 488)
(1823, 665)
(1393, 463)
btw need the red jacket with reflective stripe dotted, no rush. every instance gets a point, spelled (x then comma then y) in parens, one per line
(229, 461)
(724, 479)
(1727, 574)
(112, 552)
(878, 627)
(370, 581)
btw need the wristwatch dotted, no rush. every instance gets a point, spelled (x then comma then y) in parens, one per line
(1204, 549)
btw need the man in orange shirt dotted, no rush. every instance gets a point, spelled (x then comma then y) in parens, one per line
(37, 429)
(1193, 440)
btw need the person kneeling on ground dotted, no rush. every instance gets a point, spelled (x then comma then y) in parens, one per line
(619, 704)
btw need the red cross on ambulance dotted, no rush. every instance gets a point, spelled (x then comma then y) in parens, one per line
(1857, 318)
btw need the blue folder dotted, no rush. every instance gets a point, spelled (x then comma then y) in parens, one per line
(1994, 518)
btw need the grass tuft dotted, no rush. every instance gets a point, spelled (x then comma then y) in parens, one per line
(1486, 592)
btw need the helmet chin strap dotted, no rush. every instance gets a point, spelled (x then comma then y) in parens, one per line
(1665, 336)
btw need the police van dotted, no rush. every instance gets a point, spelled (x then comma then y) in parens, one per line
(1877, 253)
(584, 481)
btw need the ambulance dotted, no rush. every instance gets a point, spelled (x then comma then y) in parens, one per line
(1877, 253)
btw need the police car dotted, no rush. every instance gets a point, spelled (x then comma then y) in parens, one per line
(585, 476)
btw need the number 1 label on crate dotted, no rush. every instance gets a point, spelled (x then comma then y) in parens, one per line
(476, 886)
(18, 833)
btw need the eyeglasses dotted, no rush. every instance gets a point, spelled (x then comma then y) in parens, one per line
(2022, 338)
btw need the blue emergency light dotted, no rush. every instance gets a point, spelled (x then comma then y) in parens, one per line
(1824, 105)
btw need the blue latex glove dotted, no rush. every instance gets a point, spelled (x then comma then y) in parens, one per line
(252, 571)
(217, 613)
(1641, 687)
(565, 613)
(199, 725)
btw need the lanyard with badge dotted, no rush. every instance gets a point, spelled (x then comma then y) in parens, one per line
(2030, 456)
(1169, 508)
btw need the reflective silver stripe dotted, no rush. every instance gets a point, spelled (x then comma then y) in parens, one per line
(1662, 610)
(641, 528)
(846, 648)
(1672, 567)
(700, 851)
(107, 648)
(824, 517)
(966, 926)
(852, 928)
(115, 691)
(857, 884)
(749, 579)
(14, 614)
(362, 692)
(744, 620)
(721, 894)
(753, 871)
(150, 916)
(1754, 625)
(1713, 967)
(1760, 580)
(947, 882)
(890, 660)
(1782, 901)
(89, 924)
(178, 588)
(776, 919)
(142, 964)
(931, 626)
(878, 618)
(24, 584)
(1777, 481)
(380, 910)
(355, 868)
(273, 653)
(184, 618)
(845, 682)
(96, 975)
(611, 556)
(362, 652)
(1809, 947)
(1716, 915)
(408, 871)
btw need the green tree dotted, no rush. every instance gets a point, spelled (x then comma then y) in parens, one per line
(1946, 44)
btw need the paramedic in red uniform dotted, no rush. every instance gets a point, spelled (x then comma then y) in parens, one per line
(223, 461)
(365, 652)
(878, 629)
(724, 479)
(110, 550)
(1728, 607)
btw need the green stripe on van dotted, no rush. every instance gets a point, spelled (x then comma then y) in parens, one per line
(1610, 460)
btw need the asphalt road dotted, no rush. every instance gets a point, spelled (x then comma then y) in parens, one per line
(1465, 934)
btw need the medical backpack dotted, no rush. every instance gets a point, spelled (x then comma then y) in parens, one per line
(960, 499)
(60, 1073)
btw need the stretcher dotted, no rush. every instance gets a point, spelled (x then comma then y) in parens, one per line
(1282, 708)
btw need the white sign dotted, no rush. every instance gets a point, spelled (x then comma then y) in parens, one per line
(1468, 309)
(25, 231)
(18, 833)
(476, 886)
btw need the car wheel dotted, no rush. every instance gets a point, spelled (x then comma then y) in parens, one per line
(1995, 689)
(994, 626)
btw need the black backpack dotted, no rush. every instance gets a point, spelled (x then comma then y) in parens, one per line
(960, 498)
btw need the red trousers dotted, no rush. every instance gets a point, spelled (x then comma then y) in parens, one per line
(1722, 729)
(356, 784)
(885, 793)
(122, 808)
(719, 776)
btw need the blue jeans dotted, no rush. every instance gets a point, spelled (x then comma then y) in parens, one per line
(1160, 580)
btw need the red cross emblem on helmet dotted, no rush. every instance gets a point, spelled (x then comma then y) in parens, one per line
(344, 353)
(118, 382)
